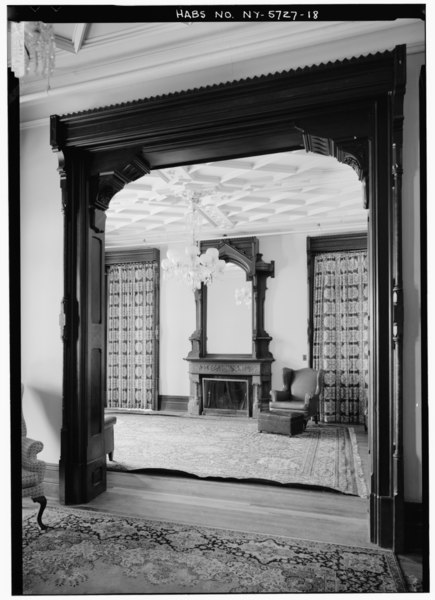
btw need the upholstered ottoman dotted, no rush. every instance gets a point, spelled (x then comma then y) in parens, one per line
(285, 422)
(109, 438)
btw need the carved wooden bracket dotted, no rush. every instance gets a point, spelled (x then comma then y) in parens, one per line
(354, 152)
(111, 182)
(62, 175)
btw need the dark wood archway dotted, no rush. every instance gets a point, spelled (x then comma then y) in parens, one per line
(352, 110)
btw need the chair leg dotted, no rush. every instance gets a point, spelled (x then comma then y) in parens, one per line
(43, 502)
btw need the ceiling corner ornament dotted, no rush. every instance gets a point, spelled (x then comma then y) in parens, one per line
(33, 48)
(353, 152)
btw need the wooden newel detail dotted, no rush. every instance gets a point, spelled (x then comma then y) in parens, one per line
(260, 338)
(197, 338)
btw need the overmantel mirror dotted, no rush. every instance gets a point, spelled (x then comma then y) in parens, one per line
(237, 297)
(229, 313)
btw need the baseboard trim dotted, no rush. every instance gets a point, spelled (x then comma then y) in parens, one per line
(173, 403)
(51, 480)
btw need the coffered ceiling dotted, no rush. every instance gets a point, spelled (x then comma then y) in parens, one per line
(289, 192)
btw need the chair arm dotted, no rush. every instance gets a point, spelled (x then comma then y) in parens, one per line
(37, 466)
(308, 399)
(29, 449)
(279, 396)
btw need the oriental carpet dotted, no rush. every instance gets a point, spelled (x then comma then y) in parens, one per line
(323, 456)
(89, 552)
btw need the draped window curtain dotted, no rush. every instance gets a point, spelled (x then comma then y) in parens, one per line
(132, 335)
(340, 334)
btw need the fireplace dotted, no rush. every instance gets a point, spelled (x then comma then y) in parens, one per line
(225, 396)
(250, 382)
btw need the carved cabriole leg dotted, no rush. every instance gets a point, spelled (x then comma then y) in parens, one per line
(43, 502)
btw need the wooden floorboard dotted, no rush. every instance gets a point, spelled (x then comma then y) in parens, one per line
(257, 508)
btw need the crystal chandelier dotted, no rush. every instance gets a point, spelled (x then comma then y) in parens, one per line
(193, 268)
(33, 48)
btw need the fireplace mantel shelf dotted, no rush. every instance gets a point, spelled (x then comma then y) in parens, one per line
(213, 358)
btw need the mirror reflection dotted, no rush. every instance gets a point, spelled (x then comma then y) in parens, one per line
(229, 313)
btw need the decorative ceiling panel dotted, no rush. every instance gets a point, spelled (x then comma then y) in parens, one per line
(289, 192)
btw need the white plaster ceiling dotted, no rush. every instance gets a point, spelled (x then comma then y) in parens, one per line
(289, 192)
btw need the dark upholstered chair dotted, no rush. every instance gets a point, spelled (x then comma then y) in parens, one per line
(32, 470)
(301, 393)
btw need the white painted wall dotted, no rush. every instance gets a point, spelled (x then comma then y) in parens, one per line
(41, 290)
(286, 306)
(177, 323)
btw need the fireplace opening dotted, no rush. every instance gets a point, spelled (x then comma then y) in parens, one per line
(225, 396)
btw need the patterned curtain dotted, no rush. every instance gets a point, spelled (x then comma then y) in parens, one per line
(132, 335)
(340, 333)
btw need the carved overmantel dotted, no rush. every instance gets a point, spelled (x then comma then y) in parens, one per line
(244, 252)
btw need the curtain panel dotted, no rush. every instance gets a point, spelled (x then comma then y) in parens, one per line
(132, 335)
(340, 334)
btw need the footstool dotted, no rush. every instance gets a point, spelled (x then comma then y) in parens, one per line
(109, 438)
(282, 422)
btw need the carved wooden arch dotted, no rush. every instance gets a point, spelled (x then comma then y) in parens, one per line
(352, 109)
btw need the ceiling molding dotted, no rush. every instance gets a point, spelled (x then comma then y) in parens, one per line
(45, 122)
(64, 43)
(79, 35)
(144, 60)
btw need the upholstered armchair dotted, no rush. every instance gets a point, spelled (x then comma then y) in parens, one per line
(301, 393)
(32, 470)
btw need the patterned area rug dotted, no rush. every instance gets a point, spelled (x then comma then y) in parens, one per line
(86, 552)
(324, 456)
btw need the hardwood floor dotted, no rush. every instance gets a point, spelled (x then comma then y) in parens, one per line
(294, 512)
(275, 510)
(253, 507)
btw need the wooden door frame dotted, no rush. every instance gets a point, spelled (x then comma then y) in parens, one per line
(350, 109)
